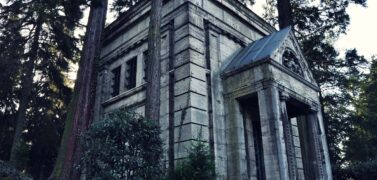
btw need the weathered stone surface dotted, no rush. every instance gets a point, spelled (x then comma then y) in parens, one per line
(189, 55)
(198, 38)
(190, 115)
(191, 131)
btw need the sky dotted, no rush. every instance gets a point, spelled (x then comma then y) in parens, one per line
(361, 34)
(362, 31)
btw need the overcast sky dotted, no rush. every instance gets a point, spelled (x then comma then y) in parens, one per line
(362, 31)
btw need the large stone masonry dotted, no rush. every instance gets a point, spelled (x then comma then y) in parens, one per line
(200, 100)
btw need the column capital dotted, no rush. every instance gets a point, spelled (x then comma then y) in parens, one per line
(284, 96)
(314, 107)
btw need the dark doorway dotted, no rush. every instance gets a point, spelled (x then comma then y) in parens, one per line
(304, 135)
(253, 137)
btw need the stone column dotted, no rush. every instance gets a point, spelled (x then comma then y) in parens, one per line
(237, 167)
(102, 92)
(316, 143)
(327, 168)
(291, 157)
(272, 134)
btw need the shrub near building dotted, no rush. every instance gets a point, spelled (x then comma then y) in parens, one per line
(123, 145)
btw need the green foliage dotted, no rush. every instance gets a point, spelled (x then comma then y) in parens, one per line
(198, 165)
(123, 145)
(54, 49)
(9, 75)
(120, 6)
(362, 144)
(360, 170)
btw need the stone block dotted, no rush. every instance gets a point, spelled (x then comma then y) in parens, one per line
(164, 107)
(135, 98)
(190, 84)
(298, 152)
(189, 30)
(199, 101)
(220, 136)
(299, 163)
(182, 86)
(189, 55)
(213, 9)
(182, 72)
(300, 174)
(190, 115)
(295, 131)
(164, 122)
(196, 17)
(164, 93)
(189, 42)
(164, 80)
(164, 66)
(190, 100)
(164, 46)
(181, 20)
(181, 32)
(181, 102)
(294, 121)
(296, 141)
(191, 131)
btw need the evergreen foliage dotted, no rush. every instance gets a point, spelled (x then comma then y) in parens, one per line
(120, 6)
(36, 46)
(359, 170)
(9, 84)
(123, 145)
(198, 165)
(362, 144)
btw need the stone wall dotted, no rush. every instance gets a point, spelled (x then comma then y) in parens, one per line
(197, 37)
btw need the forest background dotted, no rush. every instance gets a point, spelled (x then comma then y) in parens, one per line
(41, 41)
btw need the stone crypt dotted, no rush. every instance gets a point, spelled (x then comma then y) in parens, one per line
(225, 74)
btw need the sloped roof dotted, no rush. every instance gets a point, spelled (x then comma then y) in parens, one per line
(255, 51)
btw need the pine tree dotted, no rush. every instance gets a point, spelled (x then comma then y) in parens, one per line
(152, 107)
(80, 111)
(285, 13)
(46, 37)
(10, 53)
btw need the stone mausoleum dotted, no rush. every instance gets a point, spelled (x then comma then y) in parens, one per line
(227, 76)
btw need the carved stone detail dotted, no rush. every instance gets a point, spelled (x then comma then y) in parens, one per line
(290, 61)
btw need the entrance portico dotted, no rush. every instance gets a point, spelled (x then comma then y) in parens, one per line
(274, 121)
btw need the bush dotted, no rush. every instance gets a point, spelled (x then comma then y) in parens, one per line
(123, 145)
(198, 166)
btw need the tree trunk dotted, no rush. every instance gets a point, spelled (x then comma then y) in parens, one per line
(27, 86)
(152, 107)
(285, 13)
(80, 111)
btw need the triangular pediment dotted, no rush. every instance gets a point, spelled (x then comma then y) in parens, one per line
(280, 46)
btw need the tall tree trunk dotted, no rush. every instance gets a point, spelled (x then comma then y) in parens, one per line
(26, 89)
(285, 13)
(80, 111)
(152, 108)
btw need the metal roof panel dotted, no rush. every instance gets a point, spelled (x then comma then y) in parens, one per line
(255, 51)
